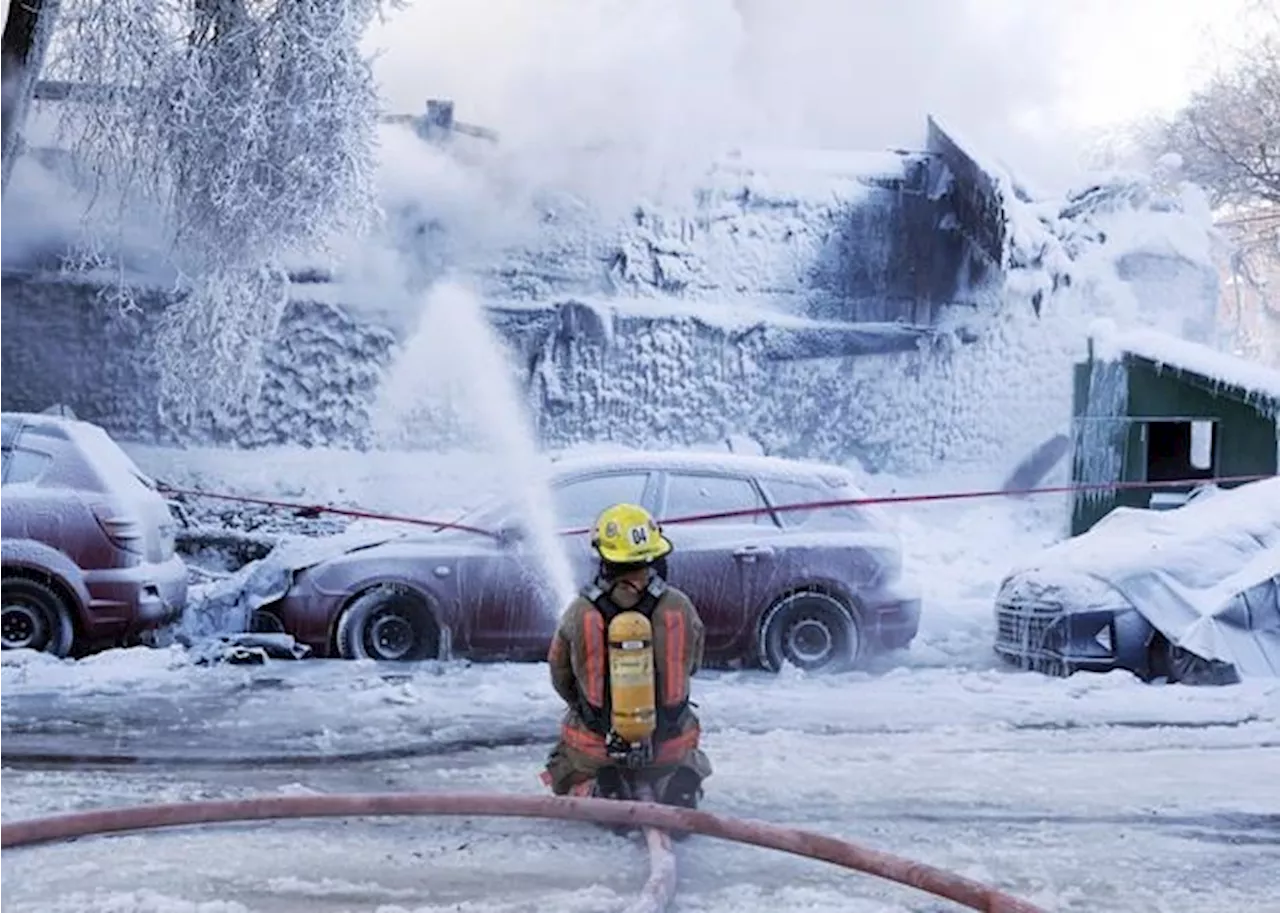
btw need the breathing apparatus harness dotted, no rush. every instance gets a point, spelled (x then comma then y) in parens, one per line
(631, 718)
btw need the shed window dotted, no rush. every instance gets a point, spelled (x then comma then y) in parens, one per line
(1202, 445)
(1181, 450)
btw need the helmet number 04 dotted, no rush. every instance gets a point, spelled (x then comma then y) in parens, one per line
(639, 535)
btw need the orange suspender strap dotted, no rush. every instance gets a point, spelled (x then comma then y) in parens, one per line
(677, 648)
(593, 643)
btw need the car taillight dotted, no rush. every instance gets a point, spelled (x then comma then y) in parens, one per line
(168, 542)
(124, 530)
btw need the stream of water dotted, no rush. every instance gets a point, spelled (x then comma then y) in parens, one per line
(455, 373)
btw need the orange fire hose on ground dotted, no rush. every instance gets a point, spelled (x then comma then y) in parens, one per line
(654, 818)
(660, 888)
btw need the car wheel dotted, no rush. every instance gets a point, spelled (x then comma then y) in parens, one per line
(1190, 669)
(263, 621)
(389, 623)
(813, 631)
(34, 617)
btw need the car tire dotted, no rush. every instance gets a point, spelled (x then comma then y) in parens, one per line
(34, 616)
(1186, 668)
(264, 621)
(812, 631)
(388, 623)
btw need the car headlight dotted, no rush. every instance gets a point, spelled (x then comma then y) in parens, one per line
(1093, 629)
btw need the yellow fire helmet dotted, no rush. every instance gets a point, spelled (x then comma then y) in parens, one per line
(627, 534)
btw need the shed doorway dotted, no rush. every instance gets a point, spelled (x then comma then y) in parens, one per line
(1181, 449)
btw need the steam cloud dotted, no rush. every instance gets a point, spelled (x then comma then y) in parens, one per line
(662, 84)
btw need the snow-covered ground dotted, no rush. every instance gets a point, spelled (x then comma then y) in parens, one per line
(1092, 793)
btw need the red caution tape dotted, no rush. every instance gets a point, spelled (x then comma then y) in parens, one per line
(740, 513)
(946, 496)
(327, 509)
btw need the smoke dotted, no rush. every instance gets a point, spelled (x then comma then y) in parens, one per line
(638, 93)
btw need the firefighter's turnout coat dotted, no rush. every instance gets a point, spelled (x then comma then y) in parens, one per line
(579, 672)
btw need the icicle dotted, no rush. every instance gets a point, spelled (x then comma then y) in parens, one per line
(1101, 431)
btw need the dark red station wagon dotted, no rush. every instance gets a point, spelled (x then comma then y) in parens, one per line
(813, 588)
(88, 542)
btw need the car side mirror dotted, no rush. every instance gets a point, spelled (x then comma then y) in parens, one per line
(511, 536)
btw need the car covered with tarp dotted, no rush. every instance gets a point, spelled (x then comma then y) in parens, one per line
(1190, 594)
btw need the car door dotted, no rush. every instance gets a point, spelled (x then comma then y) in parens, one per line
(508, 602)
(27, 512)
(507, 590)
(718, 563)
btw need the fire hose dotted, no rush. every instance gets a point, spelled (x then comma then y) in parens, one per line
(655, 819)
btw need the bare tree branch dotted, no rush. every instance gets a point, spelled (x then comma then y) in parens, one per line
(1228, 135)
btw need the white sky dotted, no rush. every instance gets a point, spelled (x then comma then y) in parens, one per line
(681, 78)
(1127, 58)
(1023, 77)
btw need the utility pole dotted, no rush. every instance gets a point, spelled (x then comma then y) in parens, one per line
(28, 26)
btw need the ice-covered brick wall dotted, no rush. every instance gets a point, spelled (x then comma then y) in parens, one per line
(650, 362)
(64, 342)
(655, 379)
(681, 380)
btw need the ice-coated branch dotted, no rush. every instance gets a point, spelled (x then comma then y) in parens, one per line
(249, 125)
(1228, 134)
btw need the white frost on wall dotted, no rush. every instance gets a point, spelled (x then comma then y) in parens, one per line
(1101, 430)
(753, 225)
(735, 251)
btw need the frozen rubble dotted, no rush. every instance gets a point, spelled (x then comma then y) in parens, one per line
(603, 311)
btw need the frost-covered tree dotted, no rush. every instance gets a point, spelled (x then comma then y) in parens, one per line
(1228, 134)
(250, 126)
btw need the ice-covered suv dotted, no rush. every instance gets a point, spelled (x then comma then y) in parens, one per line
(87, 540)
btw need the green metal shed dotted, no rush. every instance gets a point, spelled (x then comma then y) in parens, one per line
(1154, 408)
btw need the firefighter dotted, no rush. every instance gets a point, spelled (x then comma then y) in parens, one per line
(621, 659)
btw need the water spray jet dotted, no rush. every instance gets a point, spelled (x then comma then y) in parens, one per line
(454, 374)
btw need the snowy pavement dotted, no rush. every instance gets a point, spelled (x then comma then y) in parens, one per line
(1094, 793)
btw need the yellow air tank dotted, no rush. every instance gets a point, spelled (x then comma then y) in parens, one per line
(631, 676)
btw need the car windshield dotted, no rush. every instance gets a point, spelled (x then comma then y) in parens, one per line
(489, 516)
(576, 501)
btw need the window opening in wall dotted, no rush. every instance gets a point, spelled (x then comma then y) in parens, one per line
(1181, 449)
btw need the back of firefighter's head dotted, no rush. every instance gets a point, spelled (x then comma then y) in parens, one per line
(629, 542)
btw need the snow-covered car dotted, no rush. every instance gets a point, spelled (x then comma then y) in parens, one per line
(88, 541)
(1189, 594)
(815, 588)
